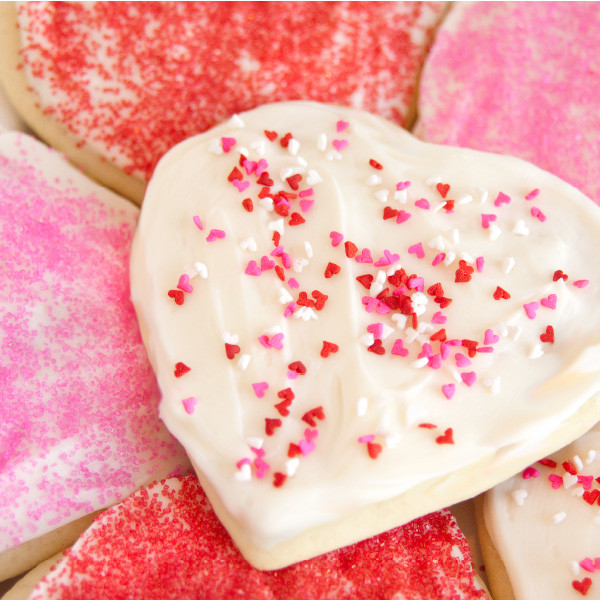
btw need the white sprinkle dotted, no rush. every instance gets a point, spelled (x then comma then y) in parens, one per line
(569, 480)
(313, 177)
(502, 329)
(456, 236)
(578, 462)
(386, 331)
(437, 243)
(242, 150)
(255, 442)
(578, 491)
(507, 264)
(286, 172)
(276, 225)
(362, 406)
(558, 517)
(424, 327)
(468, 258)
(575, 568)
(419, 298)
(382, 195)
(266, 204)
(381, 276)
(400, 320)
(244, 473)
(201, 269)
(466, 199)
(590, 457)
(391, 441)
(374, 180)
(368, 339)
(249, 244)
(433, 181)
(536, 351)
(438, 207)
(243, 362)
(333, 155)
(493, 384)
(483, 195)
(520, 228)
(375, 288)
(293, 146)
(274, 330)
(306, 313)
(456, 376)
(237, 122)
(284, 296)
(302, 162)
(230, 338)
(322, 142)
(291, 466)
(450, 257)
(401, 196)
(419, 309)
(494, 232)
(411, 335)
(308, 249)
(420, 363)
(260, 146)
(214, 146)
(519, 496)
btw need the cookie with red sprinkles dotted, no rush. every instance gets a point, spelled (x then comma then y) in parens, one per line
(539, 529)
(350, 372)
(115, 85)
(166, 542)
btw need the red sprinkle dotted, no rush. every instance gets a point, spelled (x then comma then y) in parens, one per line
(328, 348)
(547, 462)
(447, 438)
(501, 294)
(443, 189)
(271, 425)
(235, 174)
(231, 350)
(297, 367)
(559, 275)
(279, 479)
(375, 164)
(377, 347)
(294, 181)
(331, 270)
(374, 449)
(177, 295)
(351, 249)
(247, 204)
(296, 219)
(181, 369)
(312, 415)
(569, 468)
(271, 135)
(548, 335)
(285, 140)
(365, 280)
(582, 586)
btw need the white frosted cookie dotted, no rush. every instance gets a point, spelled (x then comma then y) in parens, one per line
(351, 328)
(165, 542)
(79, 427)
(541, 527)
(115, 85)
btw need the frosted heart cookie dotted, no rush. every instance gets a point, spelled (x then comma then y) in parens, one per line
(79, 428)
(518, 78)
(165, 541)
(116, 85)
(540, 528)
(352, 328)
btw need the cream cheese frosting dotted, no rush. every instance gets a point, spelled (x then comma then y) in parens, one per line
(341, 316)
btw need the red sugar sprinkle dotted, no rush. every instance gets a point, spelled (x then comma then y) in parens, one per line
(471, 346)
(235, 174)
(569, 468)
(331, 270)
(296, 219)
(312, 415)
(279, 272)
(375, 164)
(374, 449)
(264, 179)
(271, 135)
(177, 295)
(181, 369)
(320, 299)
(271, 425)
(377, 347)
(328, 348)
(389, 213)
(294, 450)
(247, 204)
(294, 181)
(351, 249)
(443, 189)
(463, 273)
(286, 393)
(501, 294)
(558, 274)
(365, 280)
(283, 407)
(447, 438)
(297, 367)
(279, 479)
(231, 350)
(547, 462)
(582, 586)
(591, 496)
(548, 335)
(285, 140)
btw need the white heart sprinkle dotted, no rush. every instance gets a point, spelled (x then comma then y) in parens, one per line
(243, 362)
(466, 199)
(259, 146)
(386, 331)
(276, 225)
(362, 406)
(507, 264)
(293, 146)
(308, 249)
(536, 351)
(291, 466)
(368, 339)
(201, 269)
(237, 122)
(450, 257)
(558, 517)
(299, 264)
(578, 462)
(322, 142)
(569, 480)
(230, 338)
(519, 496)
(284, 296)
(400, 320)
(244, 473)
(494, 232)
(401, 196)
(437, 243)
(214, 146)
(483, 195)
(248, 244)
(266, 204)
(520, 228)
(333, 155)
(590, 457)
(420, 362)
(255, 442)
(313, 177)
(373, 180)
(382, 195)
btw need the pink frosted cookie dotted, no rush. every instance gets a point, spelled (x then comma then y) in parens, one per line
(129, 80)
(352, 328)
(166, 542)
(78, 417)
(518, 78)
(541, 527)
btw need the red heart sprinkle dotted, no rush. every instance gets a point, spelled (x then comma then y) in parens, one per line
(297, 367)
(296, 219)
(271, 425)
(282, 407)
(582, 586)
(231, 350)
(287, 393)
(365, 280)
(281, 209)
(279, 479)
(377, 347)
(374, 449)
(235, 174)
(303, 300)
(294, 181)
(264, 179)
(397, 278)
(548, 336)
(247, 204)
(331, 270)
(443, 189)
(501, 294)
(375, 164)
(293, 450)
(351, 249)
(181, 369)
(320, 299)
(177, 295)
(315, 413)
(591, 496)
(389, 212)
(446, 438)
(328, 348)
(285, 140)
(559, 275)
(271, 135)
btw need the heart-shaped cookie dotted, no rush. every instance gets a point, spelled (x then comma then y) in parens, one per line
(375, 436)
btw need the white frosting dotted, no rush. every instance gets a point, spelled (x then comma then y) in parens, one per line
(527, 517)
(509, 410)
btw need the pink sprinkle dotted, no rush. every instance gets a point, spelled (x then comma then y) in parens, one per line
(585, 481)
(387, 259)
(261, 467)
(532, 194)
(261, 166)
(227, 143)
(293, 283)
(198, 222)
(485, 349)
(376, 329)
(422, 203)
(215, 234)
(531, 309)
(444, 350)
(277, 251)
(252, 269)
(426, 350)
(580, 283)
(365, 439)
(479, 262)
(286, 260)
(454, 342)
(341, 125)
(555, 480)
(250, 166)
(266, 263)
(259, 452)
(490, 337)
(438, 258)
(260, 388)
(274, 342)
(240, 185)
(244, 461)
(549, 302)
(402, 216)
(310, 434)
(305, 193)
(530, 472)
(448, 390)
(189, 404)
(417, 249)
(336, 238)
(306, 447)
(416, 283)
(501, 198)
(398, 348)
(438, 318)
(184, 284)
(536, 212)
(339, 145)
(402, 185)
(587, 564)
(469, 378)
(370, 303)
(435, 361)
(292, 375)
(306, 204)
(364, 256)
(486, 219)
(289, 310)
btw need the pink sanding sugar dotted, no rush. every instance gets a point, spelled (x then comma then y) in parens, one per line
(78, 417)
(519, 78)
(165, 542)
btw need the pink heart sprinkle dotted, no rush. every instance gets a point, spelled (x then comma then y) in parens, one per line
(555, 480)
(341, 125)
(365, 439)
(227, 143)
(277, 341)
(580, 283)
(532, 194)
(438, 258)
(392, 258)
(240, 185)
(501, 198)
(531, 309)
(339, 145)
(184, 284)
(215, 234)
(461, 360)
(402, 185)
(416, 283)
(260, 388)
(250, 165)
(189, 405)
(398, 348)
(422, 203)
(588, 565)
(364, 256)
(469, 378)
(306, 447)
(444, 350)
(479, 261)
(597, 563)
(382, 309)
(530, 472)
(549, 302)
(417, 249)
(306, 192)
(382, 262)
(252, 269)
(266, 263)
(336, 238)
(306, 204)
(264, 340)
(376, 329)
(370, 303)
(490, 337)
(435, 361)
(292, 375)
(261, 166)
(310, 434)
(448, 390)
(402, 216)
(426, 350)
(486, 219)
(277, 251)
(438, 318)
(198, 222)
(289, 310)
(293, 283)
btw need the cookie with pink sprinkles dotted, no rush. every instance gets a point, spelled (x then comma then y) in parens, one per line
(79, 427)
(352, 328)
(115, 85)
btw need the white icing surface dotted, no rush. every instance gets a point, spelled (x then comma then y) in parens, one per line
(508, 412)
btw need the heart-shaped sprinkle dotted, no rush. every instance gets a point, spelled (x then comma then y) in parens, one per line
(447, 438)
(490, 337)
(590, 496)
(215, 234)
(189, 405)
(530, 472)
(306, 204)
(582, 586)
(266, 263)
(555, 480)
(581, 283)
(271, 425)
(469, 378)
(336, 238)
(531, 309)
(197, 222)
(587, 564)
(443, 189)
(486, 219)
(548, 335)
(364, 256)
(374, 449)
(260, 388)
(339, 145)
(417, 250)
(500, 294)
(341, 125)
(177, 295)
(501, 199)
(549, 302)
(184, 284)
(331, 270)
(422, 203)
(519, 496)
(181, 369)
(227, 143)
(328, 348)
(403, 216)
(297, 367)
(271, 135)
(448, 390)
(231, 350)
(253, 269)
(389, 212)
(398, 348)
